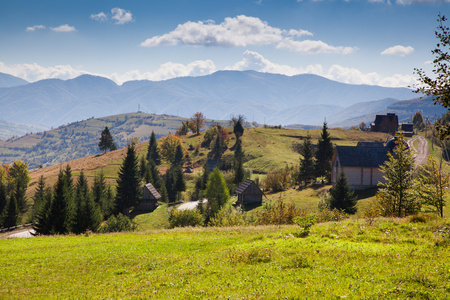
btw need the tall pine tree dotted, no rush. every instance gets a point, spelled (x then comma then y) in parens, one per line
(152, 151)
(324, 154)
(128, 184)
(106, 141)
(341, 196)
(306, 172)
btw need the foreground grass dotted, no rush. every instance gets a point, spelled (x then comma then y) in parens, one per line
(391, 259)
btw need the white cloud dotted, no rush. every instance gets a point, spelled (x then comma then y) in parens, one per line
(251, 61)
(167, 71)
(35, 27)
(121, 16)
(35, 72)
(407, 2)
(63, 28)
(255, 61)
(398, 50)
(101, 17)
(308, 46)
(241, 31)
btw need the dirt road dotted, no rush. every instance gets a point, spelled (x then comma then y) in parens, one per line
(420, 147)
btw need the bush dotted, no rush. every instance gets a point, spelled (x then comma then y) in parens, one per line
(326, 215)
(185, 217)
(305, 224)
(279, 213)
(278, 180)
(118, 223)
(227, 217)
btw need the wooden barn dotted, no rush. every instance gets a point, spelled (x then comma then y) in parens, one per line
(249, 193)
(149, 200)
(385, 123)
(360, 164)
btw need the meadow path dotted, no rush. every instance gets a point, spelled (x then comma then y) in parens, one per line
(420, 147)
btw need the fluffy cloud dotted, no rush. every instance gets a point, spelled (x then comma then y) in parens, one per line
(251, 61)
(119, 15)
(255, 61)
(101, 17)
(241, 31)
(167, 71)
(35, 27)
(35, 72)
(398, 50)
(63, 28)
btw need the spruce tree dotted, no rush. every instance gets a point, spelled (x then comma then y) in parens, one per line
(306, 172)
(324, 154)
(39, 196)
(179, 157)
(239, 172)
(238, 126)
(3, 196)
(106, 141)
(341, 196)
(170, 184)
(128, 184)
(59, 215)
(11, 212)
(152, 151)
(180, 182)
(19, 178)
(42, 223)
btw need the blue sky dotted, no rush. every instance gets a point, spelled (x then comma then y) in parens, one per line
(355, 41)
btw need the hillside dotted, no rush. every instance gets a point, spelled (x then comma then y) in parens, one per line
(404, 109)
(10, 129)
(261, 97)
(266, 149)
(80, 139)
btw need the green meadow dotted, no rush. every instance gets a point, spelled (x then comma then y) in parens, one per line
(352, 259)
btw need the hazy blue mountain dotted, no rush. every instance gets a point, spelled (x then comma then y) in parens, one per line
(7, 80)
(276, 99)
(404, 109)
(10, 129)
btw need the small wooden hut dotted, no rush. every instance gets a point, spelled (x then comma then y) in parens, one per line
(248, 192)
(150, 198)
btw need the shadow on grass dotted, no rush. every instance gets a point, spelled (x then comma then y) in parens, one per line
(367, 193)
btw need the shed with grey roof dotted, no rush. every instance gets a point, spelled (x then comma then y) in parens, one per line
(248, 192)
(150, 197)
(360, 164)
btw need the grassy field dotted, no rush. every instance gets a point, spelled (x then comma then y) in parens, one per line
(391, 259)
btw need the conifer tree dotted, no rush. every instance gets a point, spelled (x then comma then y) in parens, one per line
(180, 182)
(395, 195)
(59, 216)
(341, 196)
(239, 172)
(3, 196)
(324, 154)
(42, 223)
(152, 151)
(179, 157)
(11, 212)
(128, 184)
(306, 172)
(238, 126)
(79, 222)
(39, 196)
(106, 141)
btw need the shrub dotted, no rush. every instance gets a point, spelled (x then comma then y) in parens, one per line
(186, 217)
(327, 215)
(227, 217)
(279, 213)
(118, 223)
(305, 224)
(250, 256)
(419, 218)
(277, 181)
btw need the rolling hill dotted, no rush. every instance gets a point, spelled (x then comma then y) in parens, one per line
(261, 97)
(80, 139)
(7, 80)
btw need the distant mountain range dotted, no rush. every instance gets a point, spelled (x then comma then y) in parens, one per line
(261, 97)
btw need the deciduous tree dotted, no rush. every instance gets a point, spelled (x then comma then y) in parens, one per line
(168, 146)
(216, 192)
(198, 121)
(438, 86)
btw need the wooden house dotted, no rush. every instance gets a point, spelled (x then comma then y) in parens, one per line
(360, 164)
(248, 192)
(385, 123)
(150, 197)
